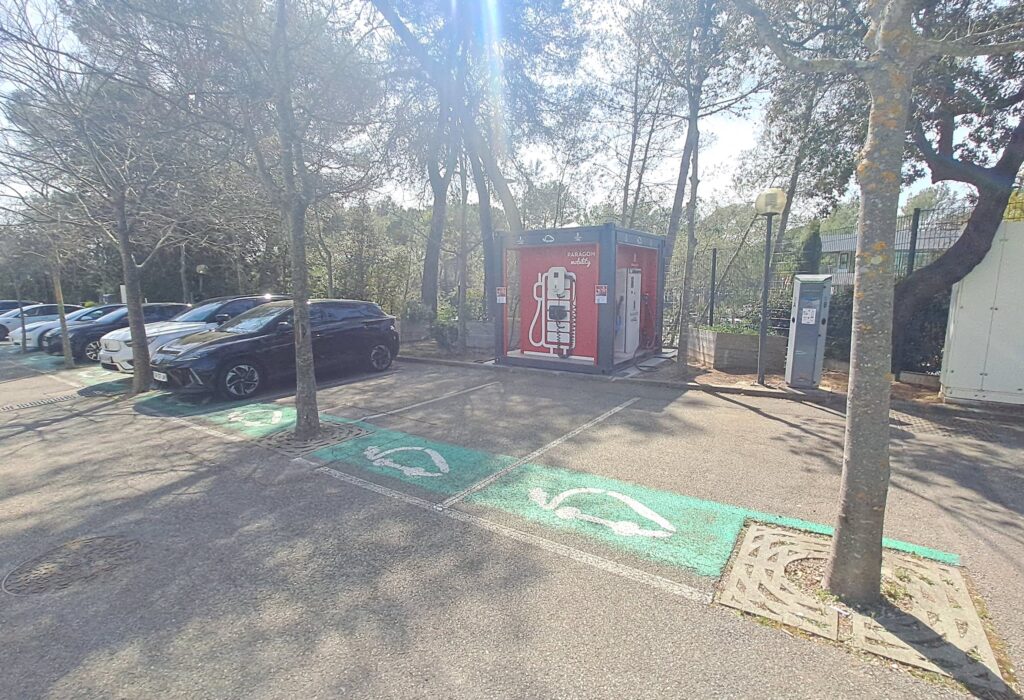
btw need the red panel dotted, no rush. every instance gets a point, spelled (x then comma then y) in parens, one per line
(558, 282)
(647, 260)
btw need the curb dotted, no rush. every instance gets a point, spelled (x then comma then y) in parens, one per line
(818, 396)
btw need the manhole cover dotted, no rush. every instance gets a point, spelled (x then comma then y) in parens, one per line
(73, 562)
(330, 434)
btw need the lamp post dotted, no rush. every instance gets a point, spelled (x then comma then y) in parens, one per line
(202, 271)
(769, 203)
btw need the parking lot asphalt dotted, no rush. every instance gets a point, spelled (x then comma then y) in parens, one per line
(483, 534)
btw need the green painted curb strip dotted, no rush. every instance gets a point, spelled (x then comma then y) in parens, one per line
(898, 545)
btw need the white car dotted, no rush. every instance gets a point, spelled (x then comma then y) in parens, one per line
(34, 332)
(116, 346)
(30, 314)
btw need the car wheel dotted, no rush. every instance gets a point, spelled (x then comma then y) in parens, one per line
(239, 380)
(379, 358)
(92, 350)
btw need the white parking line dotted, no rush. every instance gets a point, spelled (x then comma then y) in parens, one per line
(537, 453)
(393, 411)
(578, 555)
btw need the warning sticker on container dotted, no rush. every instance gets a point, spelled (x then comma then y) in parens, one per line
(600, 293)
(502, 294)
(808, 315)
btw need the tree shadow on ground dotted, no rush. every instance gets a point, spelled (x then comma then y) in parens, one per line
(954, 661)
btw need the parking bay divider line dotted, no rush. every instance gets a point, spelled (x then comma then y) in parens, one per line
(483, 483)
(393, 411)
(577, 555)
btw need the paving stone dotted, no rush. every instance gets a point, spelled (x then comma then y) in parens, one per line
(936, 627)
(757, 582)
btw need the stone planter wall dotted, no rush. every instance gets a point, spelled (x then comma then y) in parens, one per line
(735, 352)
(479, 335)
(412, 331)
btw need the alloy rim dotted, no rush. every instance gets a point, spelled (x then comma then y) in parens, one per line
(242, 380)
(380, 357)
(92, 350)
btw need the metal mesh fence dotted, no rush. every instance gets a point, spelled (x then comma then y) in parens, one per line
(731, 297)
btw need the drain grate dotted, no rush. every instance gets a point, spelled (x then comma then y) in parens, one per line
(951, 427)
(40, 402)
(77, 561)
(330, 434)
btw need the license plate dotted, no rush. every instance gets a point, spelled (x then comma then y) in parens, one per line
(160, 376)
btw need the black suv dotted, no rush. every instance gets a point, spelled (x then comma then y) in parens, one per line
(85, 337)
(244, 354)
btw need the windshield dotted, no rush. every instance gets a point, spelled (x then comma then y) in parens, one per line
(89, 314)
(15, 311)
(202, 313)
(255, 319)
(115, 315)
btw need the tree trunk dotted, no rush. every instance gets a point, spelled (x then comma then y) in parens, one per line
(439, 184)
(970, 249)
(463, 255)
(634, 136)
(186, 287)
(677, 201)
(58, 296)
(329, 264)
(21, 312)
(307, 417)
(491, 264)
(854, 567)
(794, 176)
(643, 163)
(686, 301)
(142, 376)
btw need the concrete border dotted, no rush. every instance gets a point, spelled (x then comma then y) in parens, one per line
(811, 396)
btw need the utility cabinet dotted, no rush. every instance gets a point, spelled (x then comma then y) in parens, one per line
(983, 359)
(583, 299)
(808, 325)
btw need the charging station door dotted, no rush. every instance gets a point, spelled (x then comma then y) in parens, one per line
(808, 325)
(627, 291)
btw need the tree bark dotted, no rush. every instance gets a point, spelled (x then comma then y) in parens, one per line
(307, 418)
(142, 375)
(677, 201)
(686, 301)
(854, 567)
(186, 288)
(491, 264)
(634, 136)
(463, 254)
(58, 297)
(439, 184)
(925, 283)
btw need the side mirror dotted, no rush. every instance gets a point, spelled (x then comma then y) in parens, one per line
(284, 327)
(221, 318)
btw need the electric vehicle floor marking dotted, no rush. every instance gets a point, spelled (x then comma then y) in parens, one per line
(449, 395)
(702, 536)
(623, 528)
(538, 452)
(380, 458)
(438, 467)
(577, 555)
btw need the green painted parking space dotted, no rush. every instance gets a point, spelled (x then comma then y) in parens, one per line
(254, 420)
(660, 526)
(434, 466)
(664, 527)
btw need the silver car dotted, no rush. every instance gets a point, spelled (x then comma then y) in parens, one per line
(30, 314)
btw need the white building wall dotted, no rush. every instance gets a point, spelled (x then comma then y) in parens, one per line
(983, 358)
